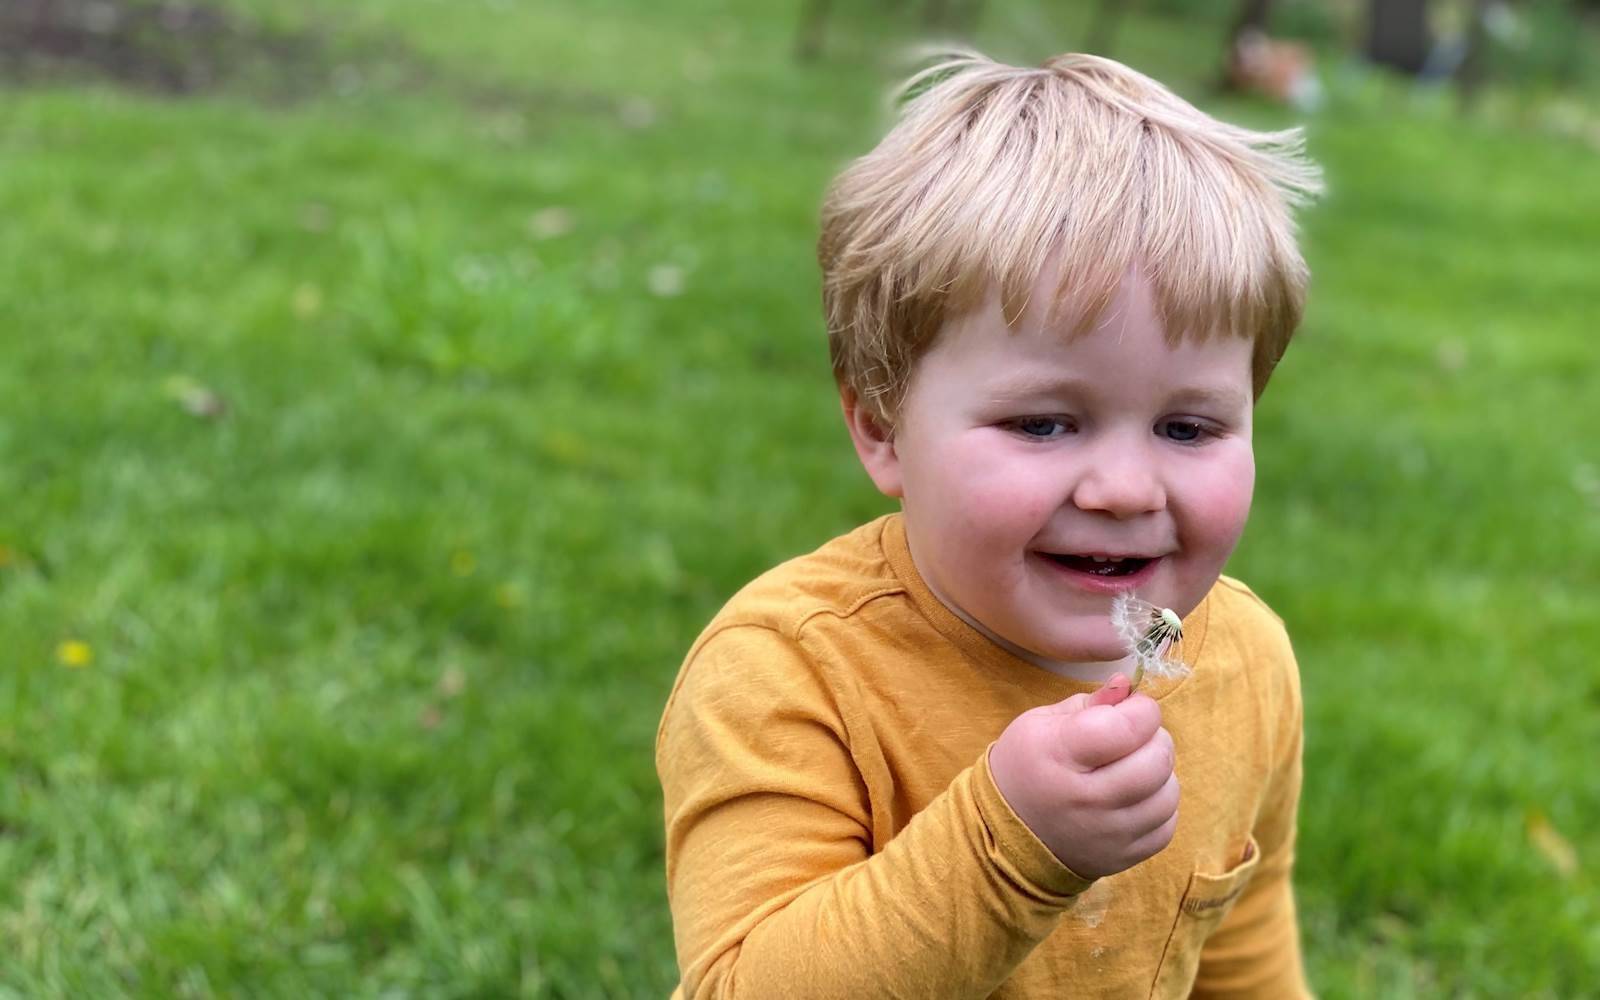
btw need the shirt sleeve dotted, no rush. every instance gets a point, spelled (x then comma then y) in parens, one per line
(1255, 953)
(771, 879)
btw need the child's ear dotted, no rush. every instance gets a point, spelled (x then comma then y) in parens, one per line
(874, 445)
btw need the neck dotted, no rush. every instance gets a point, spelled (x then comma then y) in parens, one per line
(1087, 671)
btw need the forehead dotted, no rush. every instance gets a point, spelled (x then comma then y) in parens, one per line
(1129, 347)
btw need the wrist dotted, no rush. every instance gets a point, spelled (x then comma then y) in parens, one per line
(1016, 838)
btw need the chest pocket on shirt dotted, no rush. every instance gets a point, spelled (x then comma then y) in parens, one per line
(1205, 902)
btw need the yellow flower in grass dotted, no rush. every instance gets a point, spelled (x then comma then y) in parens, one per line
(74, 653)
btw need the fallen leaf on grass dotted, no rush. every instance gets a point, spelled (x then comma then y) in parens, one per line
(452, 682)
(1451, 355)
(1391, 927)
(306, 301)
(1586, 480)
(548, 223)
(637, 113)
(1557, 850)
(196, 398)
(666, 281)
(315, 217)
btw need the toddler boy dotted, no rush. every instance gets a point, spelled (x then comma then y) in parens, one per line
(909, 764)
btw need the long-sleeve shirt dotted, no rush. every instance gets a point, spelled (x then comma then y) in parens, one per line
(833, 828)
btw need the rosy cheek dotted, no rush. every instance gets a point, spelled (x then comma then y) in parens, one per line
(1006, 495)
(1220, 502)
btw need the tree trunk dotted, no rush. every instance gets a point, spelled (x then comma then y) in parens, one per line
(1397, 34)
(1474, 68)
(1252, 16)
(813, 21)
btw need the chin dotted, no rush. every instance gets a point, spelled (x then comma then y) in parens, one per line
(1084, 650)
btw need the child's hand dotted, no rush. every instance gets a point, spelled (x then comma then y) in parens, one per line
(1092, 777)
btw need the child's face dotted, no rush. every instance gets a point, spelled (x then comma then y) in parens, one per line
(1022, 456)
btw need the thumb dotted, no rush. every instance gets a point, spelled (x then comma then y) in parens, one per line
(1110, 693)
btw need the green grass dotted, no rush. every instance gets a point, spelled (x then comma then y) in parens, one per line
(379, 654)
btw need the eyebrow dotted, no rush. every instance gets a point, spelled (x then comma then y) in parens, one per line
(1026, 387)
(1029, 386)
(1206, 395)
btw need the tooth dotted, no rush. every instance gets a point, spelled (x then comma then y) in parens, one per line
(1098, 558)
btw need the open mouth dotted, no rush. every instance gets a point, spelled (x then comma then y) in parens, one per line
(1100, 565)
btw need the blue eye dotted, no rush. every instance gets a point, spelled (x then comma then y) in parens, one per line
(1038, 427)
(1182, 431)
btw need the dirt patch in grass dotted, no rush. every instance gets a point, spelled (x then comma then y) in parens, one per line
(191, 47)
(170, 47)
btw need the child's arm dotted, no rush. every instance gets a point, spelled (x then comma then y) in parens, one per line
(1255, 953)
(772, 882)
(771, 877)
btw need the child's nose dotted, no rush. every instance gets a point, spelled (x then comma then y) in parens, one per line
(1120, 480)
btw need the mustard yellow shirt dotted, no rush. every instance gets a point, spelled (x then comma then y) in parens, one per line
(833, 829)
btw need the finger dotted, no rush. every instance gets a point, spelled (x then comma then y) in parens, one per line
(1100, 734)
(1141, 818)
(1163, 739)
(1111, 692)
(1066, 706)
(1156, 840)
(1142, 713)
(1138, 776)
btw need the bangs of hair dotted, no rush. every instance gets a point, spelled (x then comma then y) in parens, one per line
(995, 172)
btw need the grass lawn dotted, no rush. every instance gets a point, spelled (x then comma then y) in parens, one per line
(371, 455)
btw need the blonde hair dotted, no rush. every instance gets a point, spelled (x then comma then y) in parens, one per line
(995, 170)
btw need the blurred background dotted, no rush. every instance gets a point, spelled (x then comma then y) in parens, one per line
(390, 392)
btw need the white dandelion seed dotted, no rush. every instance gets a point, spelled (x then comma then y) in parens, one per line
(1151, 635)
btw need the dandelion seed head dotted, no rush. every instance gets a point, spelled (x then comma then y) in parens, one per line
(1150, 634)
